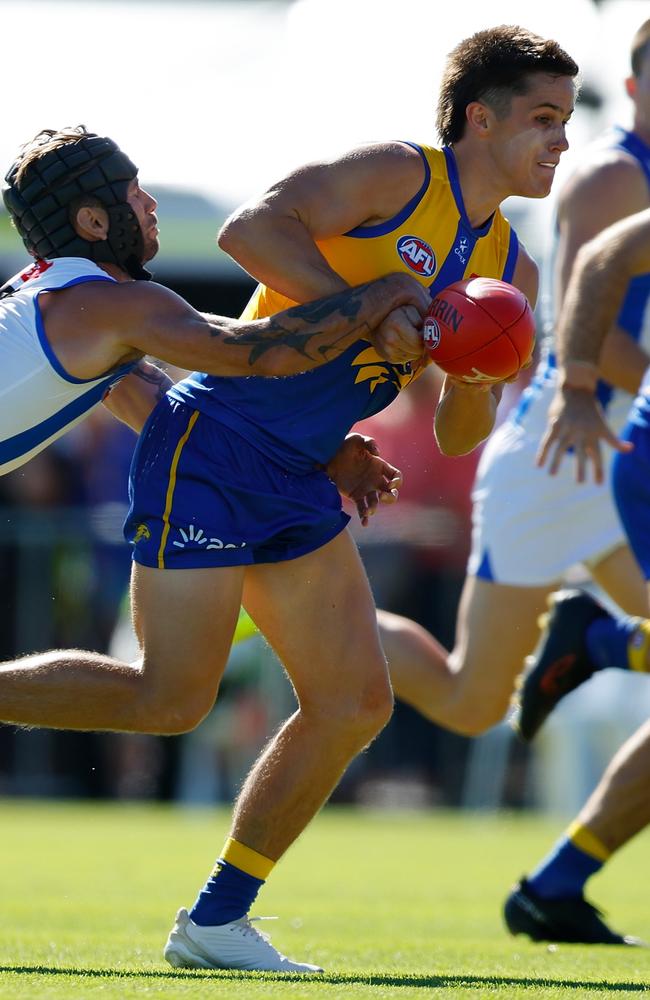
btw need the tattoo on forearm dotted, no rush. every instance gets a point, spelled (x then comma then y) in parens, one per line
(310, 319)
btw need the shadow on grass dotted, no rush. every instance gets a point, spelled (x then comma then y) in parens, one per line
(335, 979)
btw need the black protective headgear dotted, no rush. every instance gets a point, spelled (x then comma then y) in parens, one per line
(42, 201)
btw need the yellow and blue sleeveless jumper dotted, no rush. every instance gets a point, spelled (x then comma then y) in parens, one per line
(301, 421)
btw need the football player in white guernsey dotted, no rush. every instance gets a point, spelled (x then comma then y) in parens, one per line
(529, 528)
(83, 315)
(610, 282)
(76, 324)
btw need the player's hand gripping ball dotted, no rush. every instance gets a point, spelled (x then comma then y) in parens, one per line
(480, 330)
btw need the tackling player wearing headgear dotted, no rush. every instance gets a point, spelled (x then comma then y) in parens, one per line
(53, 178)
(75, 322)
(75, 200)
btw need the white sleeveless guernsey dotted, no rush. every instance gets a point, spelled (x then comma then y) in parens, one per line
(39, 400)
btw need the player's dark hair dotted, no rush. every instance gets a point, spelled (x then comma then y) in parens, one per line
(639, 50)
(493, 66)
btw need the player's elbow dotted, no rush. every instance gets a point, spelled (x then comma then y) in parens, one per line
(453, 444)
(460, 434)
(454, 449)
(232, 237)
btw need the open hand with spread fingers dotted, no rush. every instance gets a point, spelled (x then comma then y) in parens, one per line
(576, 423)
(363, 476)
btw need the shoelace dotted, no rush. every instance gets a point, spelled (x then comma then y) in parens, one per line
(248, 929)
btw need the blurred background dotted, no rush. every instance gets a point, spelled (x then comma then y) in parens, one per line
(214, 101)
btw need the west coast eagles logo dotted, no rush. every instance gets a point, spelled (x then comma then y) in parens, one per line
(417, 255)
(376, 372)
(142, 534)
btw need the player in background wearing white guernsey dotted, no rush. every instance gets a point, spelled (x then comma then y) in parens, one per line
(550, 902)
(529, 529)
(505, 116)
(582, 637)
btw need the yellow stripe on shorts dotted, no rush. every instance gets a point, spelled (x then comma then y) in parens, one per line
(170, 488)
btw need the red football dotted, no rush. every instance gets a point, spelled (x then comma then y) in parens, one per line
(480, 330)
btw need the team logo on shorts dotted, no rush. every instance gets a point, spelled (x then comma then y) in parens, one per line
(417, 255)
(195, 537)
(431, 333)
(141, 534)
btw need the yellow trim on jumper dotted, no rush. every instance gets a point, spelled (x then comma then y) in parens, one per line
(246, 859)
(582, 838)
(170, 489)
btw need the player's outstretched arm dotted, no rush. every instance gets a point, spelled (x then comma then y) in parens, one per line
(603, 269)
(387, 312)
(606, 189)
(96, 326)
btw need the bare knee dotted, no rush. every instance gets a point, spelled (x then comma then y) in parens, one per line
(175, 708)
(470, 716)
(354, 718)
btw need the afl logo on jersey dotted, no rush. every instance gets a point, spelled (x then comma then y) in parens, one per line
(417, 255)
(431, 333)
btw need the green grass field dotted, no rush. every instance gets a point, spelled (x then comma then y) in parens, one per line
(393, 905)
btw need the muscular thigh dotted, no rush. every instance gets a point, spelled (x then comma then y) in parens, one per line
(318, 613)
(185, 620)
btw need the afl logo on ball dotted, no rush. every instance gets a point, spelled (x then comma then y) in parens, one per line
(417, 255)
(431, 333)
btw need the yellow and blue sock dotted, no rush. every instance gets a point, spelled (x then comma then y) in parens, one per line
(577, 856)
(621, 641)
(233, 885)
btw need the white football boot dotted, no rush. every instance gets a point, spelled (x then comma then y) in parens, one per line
(237, 945)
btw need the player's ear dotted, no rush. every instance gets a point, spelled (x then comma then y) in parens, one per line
(631, 86)
(478, 117)
(91, 222)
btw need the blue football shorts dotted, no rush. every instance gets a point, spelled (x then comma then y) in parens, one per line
(202, 495)
(631, 488)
